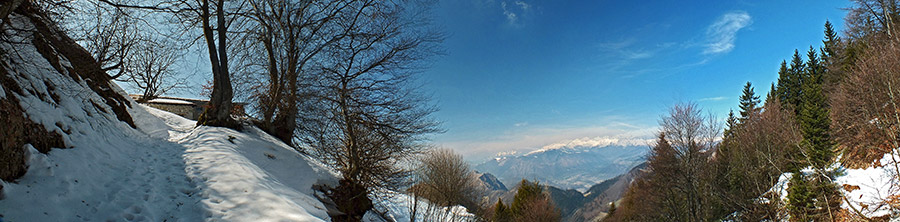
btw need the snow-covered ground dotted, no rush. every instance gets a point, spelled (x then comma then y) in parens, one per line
(867, 190)
(165, 169)
(876, 185)
(168, 170)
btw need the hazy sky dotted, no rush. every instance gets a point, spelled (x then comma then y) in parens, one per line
(521, 75)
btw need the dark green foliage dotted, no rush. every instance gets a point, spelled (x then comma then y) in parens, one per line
(813, 119)
(501, 212)
(831, 42)
(528, 191)
(813, 197)
(749, 100)
(801, 199)
(730, 124)
(788, 88)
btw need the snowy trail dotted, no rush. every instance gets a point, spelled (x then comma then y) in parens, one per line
(167, 170)
(110, 175)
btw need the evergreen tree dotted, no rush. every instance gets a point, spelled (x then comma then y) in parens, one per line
(801, 199)
(785, 82)
(797, 71)
(813, 118)
(749, 100)
(501, 212)
(527, 192)
(771, 94)
(730, 124)
(830, 42)
(812, 197)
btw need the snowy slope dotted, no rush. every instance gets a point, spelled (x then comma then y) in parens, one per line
(868, 191)
(165, 169)
(168, 170)
(161, 168)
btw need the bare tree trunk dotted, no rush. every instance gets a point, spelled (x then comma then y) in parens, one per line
(218, 112)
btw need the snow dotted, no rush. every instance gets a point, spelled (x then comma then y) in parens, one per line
(170, 101)
(166, 169)
(876, 185)
(173, 171)
(396, 207)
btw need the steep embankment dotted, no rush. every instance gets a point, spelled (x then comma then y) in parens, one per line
(130, 162)
(127, 161)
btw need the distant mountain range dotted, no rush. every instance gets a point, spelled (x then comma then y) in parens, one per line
(574, 206)
(567, 166)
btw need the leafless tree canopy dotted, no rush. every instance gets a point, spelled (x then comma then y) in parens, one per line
(866, 107)
(151, 68)
(446, 179)
(366, 117)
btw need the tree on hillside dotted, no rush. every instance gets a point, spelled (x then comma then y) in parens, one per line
(676, 185)
(151, 68)
(218, 110)
(866, 107)
(283, 46)
(445, 179)
(814, 121)
(785, 89)
(749, 163)
(749, 100)
(366, 117)
(730, 124)
(531, 203)
(215, 21)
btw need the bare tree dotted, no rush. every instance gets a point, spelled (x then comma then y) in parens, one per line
(693, 137)
(866, 107)
(750, 161)
(150, 69)
(366, 117)
(447, 180)
(110, 34)
(289, 37)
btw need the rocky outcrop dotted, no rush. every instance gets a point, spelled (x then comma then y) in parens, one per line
(41, 67)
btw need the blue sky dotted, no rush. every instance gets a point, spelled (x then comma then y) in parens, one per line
(522, 75)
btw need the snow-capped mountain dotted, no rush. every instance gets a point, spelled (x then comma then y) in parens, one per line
(576, 165)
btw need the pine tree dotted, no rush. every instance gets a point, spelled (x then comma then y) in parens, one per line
(501, 212)
(797, 71)
(801, 198)
(813, 118)
(785, 81)
(527, 192)
(831, 40)
(730, 124)
(749, 100)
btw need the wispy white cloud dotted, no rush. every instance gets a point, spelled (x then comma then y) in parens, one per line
(718, 98)
(514, 12)
(511, 17)
(521, 124)
(720, 35)
(523, 5)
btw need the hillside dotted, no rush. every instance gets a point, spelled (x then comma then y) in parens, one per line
(116, 160)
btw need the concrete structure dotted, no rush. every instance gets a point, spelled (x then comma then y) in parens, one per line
(187, 108)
